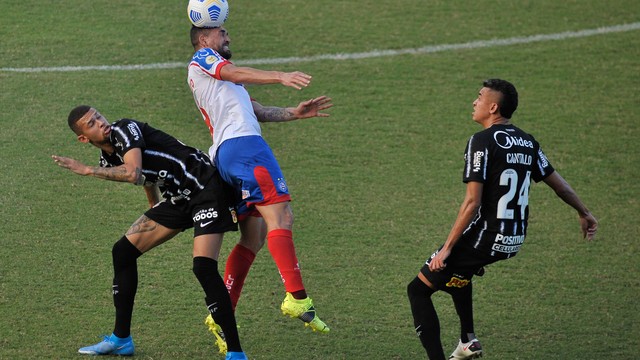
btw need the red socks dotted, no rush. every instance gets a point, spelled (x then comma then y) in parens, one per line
(236, 270)
(280, 243)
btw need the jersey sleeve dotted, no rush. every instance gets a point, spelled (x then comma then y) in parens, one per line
(209, 61)
(126, 135)
(475, 160)
(542, 167)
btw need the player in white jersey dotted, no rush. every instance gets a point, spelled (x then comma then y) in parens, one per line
(246, 162)
(500, 163)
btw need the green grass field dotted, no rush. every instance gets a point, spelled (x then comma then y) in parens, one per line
(376, 186)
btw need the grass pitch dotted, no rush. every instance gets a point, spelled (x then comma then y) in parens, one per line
(376, 186)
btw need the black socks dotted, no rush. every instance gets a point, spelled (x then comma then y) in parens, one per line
(125, 284)
(425, 318)
(217, 299)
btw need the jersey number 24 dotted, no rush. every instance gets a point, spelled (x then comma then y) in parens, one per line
(513, 197)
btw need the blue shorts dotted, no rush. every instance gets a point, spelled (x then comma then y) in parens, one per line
(248, 164)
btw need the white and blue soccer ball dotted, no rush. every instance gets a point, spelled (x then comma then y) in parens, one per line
(208, 13)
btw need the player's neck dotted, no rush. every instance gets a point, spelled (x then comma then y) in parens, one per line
(497, 121)
(106, 147)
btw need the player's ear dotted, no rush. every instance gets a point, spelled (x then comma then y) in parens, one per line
(83, 139)
(494, 108)
(202, 39)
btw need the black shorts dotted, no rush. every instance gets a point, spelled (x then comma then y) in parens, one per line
(462, 264)
(210, 211)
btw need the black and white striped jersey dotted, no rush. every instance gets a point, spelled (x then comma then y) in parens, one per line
(178, 169)
(505, 159)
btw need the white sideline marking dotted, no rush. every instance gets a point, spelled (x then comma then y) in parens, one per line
(362, 55)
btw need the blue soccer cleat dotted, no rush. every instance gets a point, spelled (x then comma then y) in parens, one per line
(110, 345)
(232, 355)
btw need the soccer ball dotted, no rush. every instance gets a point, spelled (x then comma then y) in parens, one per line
(208, 13)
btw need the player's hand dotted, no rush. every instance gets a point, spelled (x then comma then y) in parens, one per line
(71, 164)
(296, 79)
(589, 226)
(312, 108)
(438, 261)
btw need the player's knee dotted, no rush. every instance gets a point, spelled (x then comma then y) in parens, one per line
(204, 267)
(124, 253)
(253, 243)
(285, 218)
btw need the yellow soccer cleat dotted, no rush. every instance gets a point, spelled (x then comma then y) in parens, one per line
(216, 330)
(303, 310)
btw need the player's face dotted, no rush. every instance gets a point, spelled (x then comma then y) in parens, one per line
(486, 104)
(94, 128)
(218, 39)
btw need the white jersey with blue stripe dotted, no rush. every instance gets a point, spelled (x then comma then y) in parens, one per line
(225, 106)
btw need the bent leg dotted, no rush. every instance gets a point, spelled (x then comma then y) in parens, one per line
(253, 232)
(463, 301)
(145, 234)
(142, 236)
(425, 318)
(279, 219)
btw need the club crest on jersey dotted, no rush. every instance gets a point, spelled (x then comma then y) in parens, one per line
(245, 194)
(282, 185)
(234, 216)
(457, 282)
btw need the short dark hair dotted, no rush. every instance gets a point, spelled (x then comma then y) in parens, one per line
(195, 34)
(76, 114)
(509, 102)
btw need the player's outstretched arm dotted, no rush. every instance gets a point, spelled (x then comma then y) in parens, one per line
(306, 109)
(588, 223)
(247, 75)
(130, 171)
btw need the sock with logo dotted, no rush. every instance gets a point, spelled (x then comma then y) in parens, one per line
(280, 243)
(217, 299)
(463, 301)
(125, 284)
(425, 318)
(238, 265)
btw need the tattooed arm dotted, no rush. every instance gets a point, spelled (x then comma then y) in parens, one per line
(130, 171)
(306, 109)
